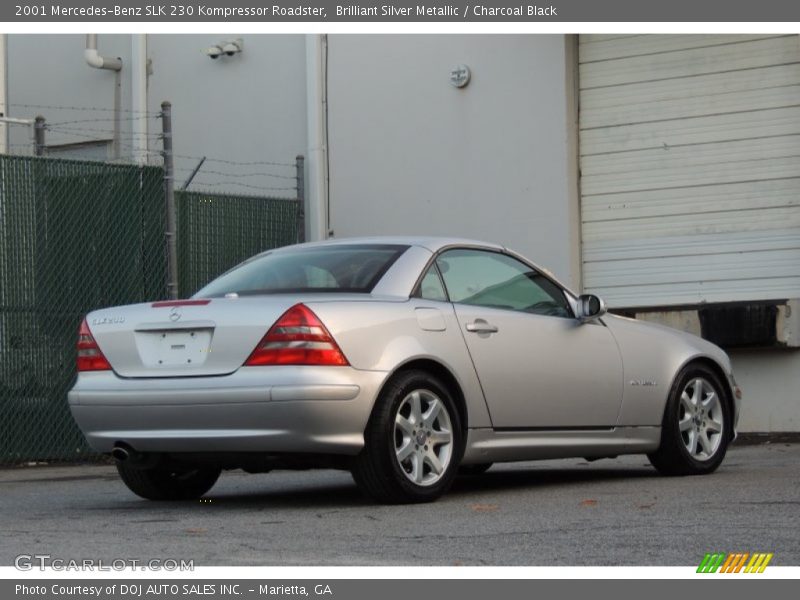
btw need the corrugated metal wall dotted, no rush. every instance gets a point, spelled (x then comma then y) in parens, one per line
(690, 168)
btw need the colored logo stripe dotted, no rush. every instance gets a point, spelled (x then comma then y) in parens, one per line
(711, 562)
(734, 562)
(758, 563)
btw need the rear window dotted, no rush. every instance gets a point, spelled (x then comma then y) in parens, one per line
(351, 269)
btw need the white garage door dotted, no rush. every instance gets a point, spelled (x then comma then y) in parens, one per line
(690, 168)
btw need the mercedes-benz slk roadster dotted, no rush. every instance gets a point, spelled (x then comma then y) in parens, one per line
(403, 360)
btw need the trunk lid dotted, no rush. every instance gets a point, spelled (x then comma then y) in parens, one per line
(185, 338)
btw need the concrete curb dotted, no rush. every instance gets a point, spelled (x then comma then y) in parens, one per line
(776, 437)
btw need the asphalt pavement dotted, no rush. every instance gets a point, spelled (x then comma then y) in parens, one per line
(565, 512)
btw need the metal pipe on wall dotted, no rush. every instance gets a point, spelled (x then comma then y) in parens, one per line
(316, 160)
(96, 61)
(139, 124)
(169, 197)
(3, 92)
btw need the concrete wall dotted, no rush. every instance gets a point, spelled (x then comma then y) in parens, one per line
(410, 154)
(770, 382)
(246, 108)
(51, 70)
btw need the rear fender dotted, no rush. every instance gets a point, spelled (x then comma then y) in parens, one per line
(385, 336)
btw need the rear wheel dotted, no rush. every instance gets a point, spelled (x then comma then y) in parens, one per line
(413, 442)
(168, 483)
(695, 431)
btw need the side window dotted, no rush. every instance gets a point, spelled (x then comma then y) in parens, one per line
(491, 279)
(431, 288)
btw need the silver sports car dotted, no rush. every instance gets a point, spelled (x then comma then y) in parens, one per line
(404, 360)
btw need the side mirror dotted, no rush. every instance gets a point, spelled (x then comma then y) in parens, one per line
(590, 307)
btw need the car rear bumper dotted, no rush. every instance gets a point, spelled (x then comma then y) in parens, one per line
(255, 409)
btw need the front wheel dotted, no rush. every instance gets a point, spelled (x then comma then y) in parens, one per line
(413, 441)
(696, 428)
(168, 483)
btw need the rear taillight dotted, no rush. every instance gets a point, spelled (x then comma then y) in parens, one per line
(90, 358)
(297, 338)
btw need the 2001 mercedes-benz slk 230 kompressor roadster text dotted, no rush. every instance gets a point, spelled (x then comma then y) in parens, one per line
(404, 360)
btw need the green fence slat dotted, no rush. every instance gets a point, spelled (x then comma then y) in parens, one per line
(79, 235)
(218, 231)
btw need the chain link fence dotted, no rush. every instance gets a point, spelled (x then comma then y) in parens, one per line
(73, 236)
(79, 235)
(218, 231)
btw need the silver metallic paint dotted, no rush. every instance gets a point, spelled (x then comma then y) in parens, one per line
(282, 409)
(656, 353)
(221, 406)
(488, 445)
(543, 371)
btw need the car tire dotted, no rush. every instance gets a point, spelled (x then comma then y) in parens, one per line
(413, 441)
(696, 428)
(168, 484)
(472, 470)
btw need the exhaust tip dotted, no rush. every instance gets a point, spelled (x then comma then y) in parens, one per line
(119, 453)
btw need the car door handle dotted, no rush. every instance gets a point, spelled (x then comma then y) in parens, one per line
(481, 326)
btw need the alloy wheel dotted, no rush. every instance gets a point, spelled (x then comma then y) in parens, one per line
(701, 419)
(423, 437)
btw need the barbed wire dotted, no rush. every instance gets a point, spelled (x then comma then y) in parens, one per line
(78, 134)
(58, 127)
(235, 162)
(100, 130)
(155, 114)
(123, 141)
(198, 186)
(231, 181)
(238, 183)
(88, 139)
(230, 174)
(59, 123)
(159, 153)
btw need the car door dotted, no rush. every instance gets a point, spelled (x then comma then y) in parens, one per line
(538, 365)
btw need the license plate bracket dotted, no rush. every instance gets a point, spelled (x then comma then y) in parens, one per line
(173, 348)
